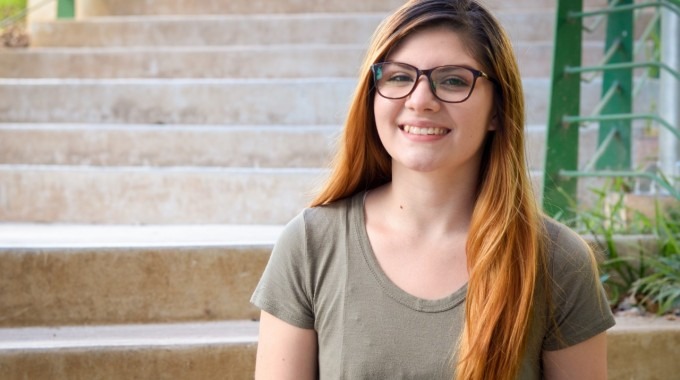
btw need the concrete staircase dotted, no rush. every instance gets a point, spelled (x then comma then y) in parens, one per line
(122, 302)
(150, 152)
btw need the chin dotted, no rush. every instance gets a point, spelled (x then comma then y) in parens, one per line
(423, 167)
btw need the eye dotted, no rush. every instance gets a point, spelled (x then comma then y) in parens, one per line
(398, 77)
(454, 82)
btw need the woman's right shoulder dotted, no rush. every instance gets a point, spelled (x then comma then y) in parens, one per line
(328, 213)
(315, 223)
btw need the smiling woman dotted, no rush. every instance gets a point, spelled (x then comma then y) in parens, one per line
(425, 255)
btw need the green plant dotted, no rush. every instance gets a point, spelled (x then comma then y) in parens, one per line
(9, 8)
(652, 278)
(12, 5)
(604, 220)
(661, 288)
(669, 231)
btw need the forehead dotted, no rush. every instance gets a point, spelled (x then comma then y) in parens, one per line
(434, 46)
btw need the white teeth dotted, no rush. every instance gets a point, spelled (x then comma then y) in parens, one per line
(424, 131)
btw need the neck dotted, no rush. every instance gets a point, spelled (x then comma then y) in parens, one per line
(427, 201)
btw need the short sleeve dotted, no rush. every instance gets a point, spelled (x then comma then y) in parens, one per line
(579, 303)
(283, 290)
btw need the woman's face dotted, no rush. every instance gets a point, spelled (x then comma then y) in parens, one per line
(422, 133)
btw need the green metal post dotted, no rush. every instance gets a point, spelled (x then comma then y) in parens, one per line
(565, 94)
(620, 33)
(66, 8)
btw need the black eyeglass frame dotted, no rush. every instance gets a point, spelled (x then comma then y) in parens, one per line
(475, 73)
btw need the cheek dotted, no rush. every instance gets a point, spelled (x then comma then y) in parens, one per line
(479, 115)
(378, 110)
(384, 109)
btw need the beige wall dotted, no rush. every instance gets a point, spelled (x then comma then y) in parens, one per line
(88, 8)
(44, 13)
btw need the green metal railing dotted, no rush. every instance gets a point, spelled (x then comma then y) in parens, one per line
(614, 112)
(66, 8)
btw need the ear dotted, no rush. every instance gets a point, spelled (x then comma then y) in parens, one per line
(493, 123)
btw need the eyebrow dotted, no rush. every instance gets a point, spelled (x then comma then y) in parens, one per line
(429, 68)
(469, 66)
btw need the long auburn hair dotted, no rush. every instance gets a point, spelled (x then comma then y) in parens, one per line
(503, 250)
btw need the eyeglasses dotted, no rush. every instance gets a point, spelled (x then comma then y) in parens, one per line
(450, 84)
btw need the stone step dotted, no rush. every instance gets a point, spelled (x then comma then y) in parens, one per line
(271, 61)
(259, 29)
(224, 146)
(643, 348)
(227, 146)
(308, 101)
(259, 101)
(205, 146)
(93, 8)
(214, 30)
(169, 196)
(139, 195)
(165, 145)
(227, 350)
(176, 101)
(217, 350)
(56, 275)
(67, 275)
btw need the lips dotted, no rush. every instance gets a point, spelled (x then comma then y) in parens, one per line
(424, 131)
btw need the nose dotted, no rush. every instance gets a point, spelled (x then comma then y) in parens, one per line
(422, 98)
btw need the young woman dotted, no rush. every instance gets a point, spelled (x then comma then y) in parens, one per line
(425, 255)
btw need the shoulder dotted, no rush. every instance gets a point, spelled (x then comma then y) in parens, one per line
(327, 223)
(298, 265)
(565, 249)
(314, 222)
(570, 263)
(312, 238)
(578, 305)
(331, 213)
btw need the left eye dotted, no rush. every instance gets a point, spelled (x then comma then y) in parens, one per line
(400, 78)
(453, 82)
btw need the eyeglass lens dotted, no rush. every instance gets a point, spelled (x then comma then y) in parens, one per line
(448, 83)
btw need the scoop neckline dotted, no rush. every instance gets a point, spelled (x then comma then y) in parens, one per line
(389, 287)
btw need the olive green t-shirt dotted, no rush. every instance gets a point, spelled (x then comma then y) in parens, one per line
(323, 275)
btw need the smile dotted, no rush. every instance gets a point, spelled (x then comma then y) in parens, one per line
(424, 131)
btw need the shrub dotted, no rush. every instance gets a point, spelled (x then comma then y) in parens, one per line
(650, 279)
